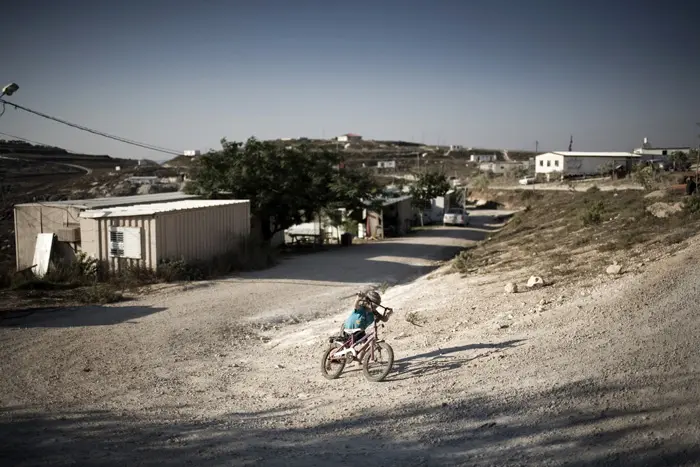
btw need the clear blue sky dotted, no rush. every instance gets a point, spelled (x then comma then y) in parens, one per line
(489, 73)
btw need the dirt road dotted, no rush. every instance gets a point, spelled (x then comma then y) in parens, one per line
(604, 372)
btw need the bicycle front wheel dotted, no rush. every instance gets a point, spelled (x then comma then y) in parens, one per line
(378, 361)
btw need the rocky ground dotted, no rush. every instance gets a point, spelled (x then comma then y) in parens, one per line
(601, 370)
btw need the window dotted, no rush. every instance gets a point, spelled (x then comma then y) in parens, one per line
(556, 163)
(549, 163)
(125, 242)
(664, 153)
(541, 163)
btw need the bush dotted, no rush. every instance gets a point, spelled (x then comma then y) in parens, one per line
(645, 176)
(462, 262)
(593, 213)
(691, 205)
(593, 189)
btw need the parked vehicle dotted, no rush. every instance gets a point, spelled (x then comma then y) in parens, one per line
(456, 216)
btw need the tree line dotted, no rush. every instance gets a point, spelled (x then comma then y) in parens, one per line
(289, 186)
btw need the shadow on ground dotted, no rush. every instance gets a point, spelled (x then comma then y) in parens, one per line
(439, 361)
(394, 260)
(78, 317)
(578, 424)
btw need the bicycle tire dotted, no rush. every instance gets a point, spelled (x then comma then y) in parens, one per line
(365, 363)
(324, 371)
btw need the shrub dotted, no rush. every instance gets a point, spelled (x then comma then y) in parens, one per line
(691, 205)
(462, 262)
(593, 189)
(645, 177)
(593, 213)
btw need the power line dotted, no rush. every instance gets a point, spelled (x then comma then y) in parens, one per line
(95, 132)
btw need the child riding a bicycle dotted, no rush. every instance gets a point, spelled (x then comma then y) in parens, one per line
(364, 314)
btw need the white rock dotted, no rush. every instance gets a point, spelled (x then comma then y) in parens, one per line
(535, 281)
(511, 287)
(614, 269)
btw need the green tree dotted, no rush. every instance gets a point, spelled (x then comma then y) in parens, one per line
(286, 186)
(680, 160)
(428, 186)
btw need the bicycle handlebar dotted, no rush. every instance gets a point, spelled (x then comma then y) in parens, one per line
(364, 296)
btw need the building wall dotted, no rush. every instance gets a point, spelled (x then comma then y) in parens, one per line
(580, 165)
(659, 151)
(194, 234)
(95, 240)
(201, 234)
(549, 163)
(34, 219)
(501, 167)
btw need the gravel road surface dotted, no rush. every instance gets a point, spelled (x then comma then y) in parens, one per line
(227, 373)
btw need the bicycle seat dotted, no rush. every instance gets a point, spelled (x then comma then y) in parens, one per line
(351, 331)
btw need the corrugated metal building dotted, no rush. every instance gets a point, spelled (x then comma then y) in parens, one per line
(63, 219)
(144, 235)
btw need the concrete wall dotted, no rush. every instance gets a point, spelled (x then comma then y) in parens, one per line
(193, 234)
(34, 219)
(549, 163)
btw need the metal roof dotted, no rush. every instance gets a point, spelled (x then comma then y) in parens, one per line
(157, 208)
(393, 200)
(590, 154)
(97, 203)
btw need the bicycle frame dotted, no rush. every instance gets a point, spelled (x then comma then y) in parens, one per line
(367, 342)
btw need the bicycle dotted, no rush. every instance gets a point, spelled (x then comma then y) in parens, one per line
(343, 350)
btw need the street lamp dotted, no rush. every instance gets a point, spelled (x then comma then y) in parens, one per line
(9, 89)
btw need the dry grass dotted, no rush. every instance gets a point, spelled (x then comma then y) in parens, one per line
(572, 234)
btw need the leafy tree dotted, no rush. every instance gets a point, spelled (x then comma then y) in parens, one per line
(428, 186)
(286, 186)
(680, 160)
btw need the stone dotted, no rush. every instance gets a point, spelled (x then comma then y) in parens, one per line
(662, 210)
(535, 281)
(511, 288)
(614, 269)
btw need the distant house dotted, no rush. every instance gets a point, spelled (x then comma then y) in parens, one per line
(456, 147)
(567, 163)
(647, 151)
(349, 138)
(192, 152)
(482, 158)
(502, 167)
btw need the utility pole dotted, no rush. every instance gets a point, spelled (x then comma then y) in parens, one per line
(537, 146)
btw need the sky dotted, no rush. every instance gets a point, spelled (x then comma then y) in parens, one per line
(491, 73)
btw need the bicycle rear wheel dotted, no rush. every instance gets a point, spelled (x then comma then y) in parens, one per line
(378, 361)
(331, 368)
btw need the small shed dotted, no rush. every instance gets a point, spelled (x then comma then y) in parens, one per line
(63, 219)
(144, 235)
(395, 218)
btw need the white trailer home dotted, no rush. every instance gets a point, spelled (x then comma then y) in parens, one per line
(572, 164)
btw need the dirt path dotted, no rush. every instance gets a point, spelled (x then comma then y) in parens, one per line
(602, 372)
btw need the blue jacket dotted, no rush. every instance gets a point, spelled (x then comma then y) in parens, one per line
(360, 318)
